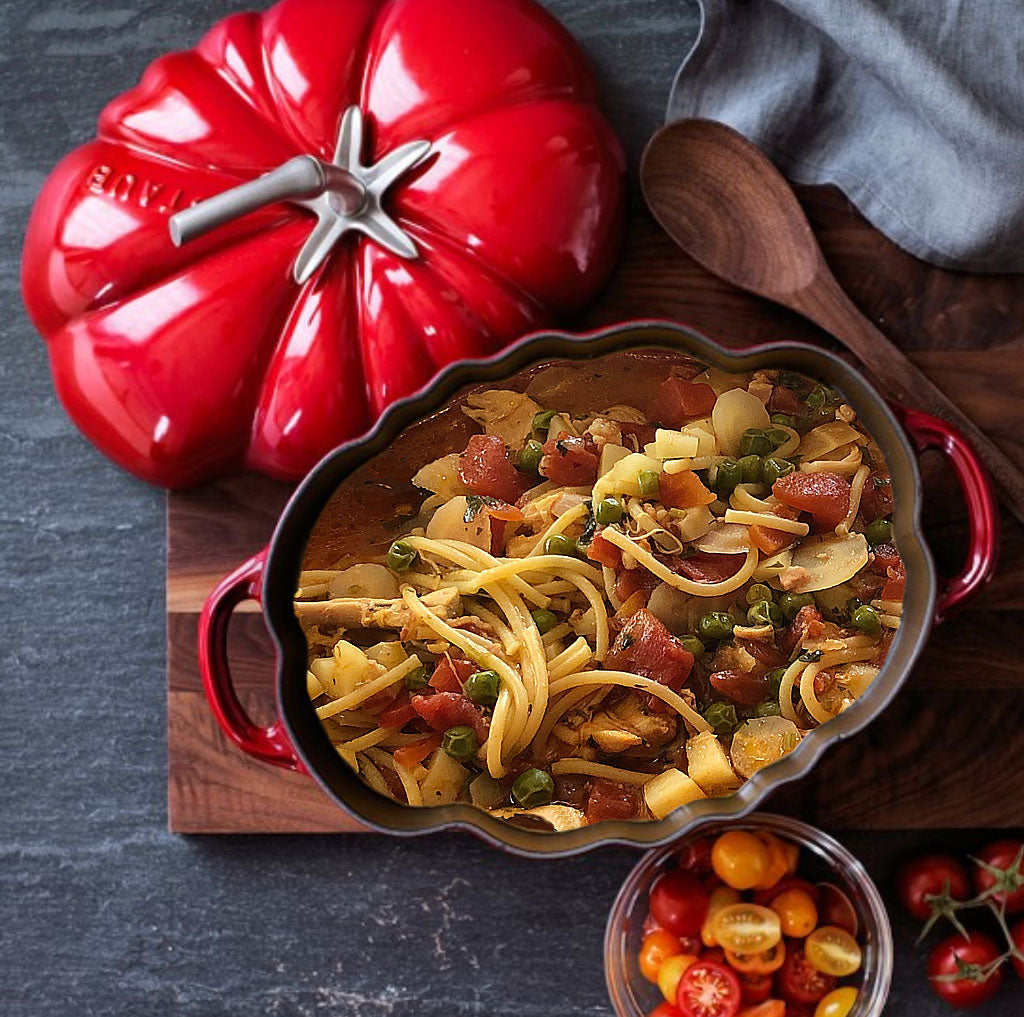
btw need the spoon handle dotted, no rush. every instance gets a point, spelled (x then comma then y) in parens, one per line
(825, 303)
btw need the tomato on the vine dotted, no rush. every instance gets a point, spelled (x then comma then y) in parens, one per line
(963, 971)
(679, 903)
(931, 876)
(798, 982)
(708, 989)
(1006, 855)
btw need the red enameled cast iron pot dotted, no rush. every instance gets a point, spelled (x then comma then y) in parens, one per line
(297, 741)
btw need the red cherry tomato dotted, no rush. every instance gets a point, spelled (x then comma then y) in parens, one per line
(679, 902)
(708, 989)
(927, 876)
(1017, 935)
(968, 957)
(798, 982)
(1002, 854)
(769, 1008)
(665, 1010)
(755, 988)
(836, 908)
(695, 856)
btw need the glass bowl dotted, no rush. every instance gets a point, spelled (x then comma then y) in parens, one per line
(633, 996)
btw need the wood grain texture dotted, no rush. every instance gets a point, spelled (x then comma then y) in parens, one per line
(961, 716)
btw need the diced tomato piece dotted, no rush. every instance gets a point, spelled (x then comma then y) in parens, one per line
(451, 673)
(679, 400)
(604, 552)
(608, 800)
(506, 513)
(885, 557)
(683, 490)
(398, 714)
(807, 623)
(569, 461)
(894, 588)
(646, 647)
(486, 469)
(784, 400)
(876, 501)
(768, 655)
(770, 541)
(416, 752)
(825, 495)
(705, 567)
(643, 433)
(443, 710)
(630, 581)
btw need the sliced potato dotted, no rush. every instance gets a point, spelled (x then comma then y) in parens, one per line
(507, 414)
(761, 741)
(680, 612)
(735, 411)
(369, 580)
(673, 445)
(388, 654)
(828, 561)
(449, 523)
(610, 455)
(709, 766)
(855, 677)
(485, 792)
(669, 790)
(725, 538)
(624, 476)
(694, 522)
(444, 781)
(346, 668)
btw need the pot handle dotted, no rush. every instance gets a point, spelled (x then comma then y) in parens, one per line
(931, 433)
(268, 744)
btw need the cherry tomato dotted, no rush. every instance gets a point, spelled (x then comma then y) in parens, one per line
(1017, 935)
(665, 1010)
(740, 859)
(838, 1003)
(746, 928)
(769, 1008)
(708, 989)
(778, 860)
(651, 924)
(1002, 854)
(765, 897)
(755, 988)
(833, 951)
(836, 908)
(670, 973)
(927, 876)
(721, 897)
(679, 903)
(761, 963)
(655, 948)
(969, 958)
(798, 982)
(695, 856)
(798, 914)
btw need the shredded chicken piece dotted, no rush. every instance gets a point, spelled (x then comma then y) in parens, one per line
(507, 414)
(626, 725)
(761, 386)
(793, 576)
(373, 613)
(605, 432)
(734, 658)
(846, 414)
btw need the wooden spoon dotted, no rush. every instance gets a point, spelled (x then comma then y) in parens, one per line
(726, 205)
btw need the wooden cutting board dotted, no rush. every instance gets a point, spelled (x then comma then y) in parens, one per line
(945, 754)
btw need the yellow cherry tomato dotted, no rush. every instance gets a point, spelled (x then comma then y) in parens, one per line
(832, 951)
(778, 860)
(838, 1003)
(747, 928)
(792, 852)
(655, 948)
(740, 859)
(721, 897)
(797, 913)
(671, 971)
(763, 963)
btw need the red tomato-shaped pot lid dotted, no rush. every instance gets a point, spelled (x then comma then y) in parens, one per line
(487, 203)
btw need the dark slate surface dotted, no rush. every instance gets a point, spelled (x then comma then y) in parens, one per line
(101, 911)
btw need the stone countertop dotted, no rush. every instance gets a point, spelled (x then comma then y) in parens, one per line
(102, 912)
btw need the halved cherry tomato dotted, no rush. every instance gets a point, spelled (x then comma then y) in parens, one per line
(798, 914)
(740, 859)
(708, 989)
(769, 1008)
(655, 948)
(679, 902)
(833, 951)
(836, 908)
(838, 1003)
(721, 897)
(778, 859)
(761, 963)
(670, 973)
(755, 988)
(798, 982)
(746, 928)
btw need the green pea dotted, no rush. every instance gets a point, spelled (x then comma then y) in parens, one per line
(782, 419)
(559, 543)
(775, 677)
(532, 788)
(715, 625)
(790, 603)
(401, 556)
(754, 442)
(694, 645)
(417, 679)
(542, 420)
(764, 612)
(773, 468)
(530, 457)
(867, 620)
(878, 532)
(460, 742)
(722, 717)
(482, 687)
(544, 619)
(751, 466)
(768, 709)
(728, 475)
(777, 436)
(608, 511)
(649, 483)
(758, 592)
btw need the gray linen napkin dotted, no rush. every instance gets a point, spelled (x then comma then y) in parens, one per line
(914, 108)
